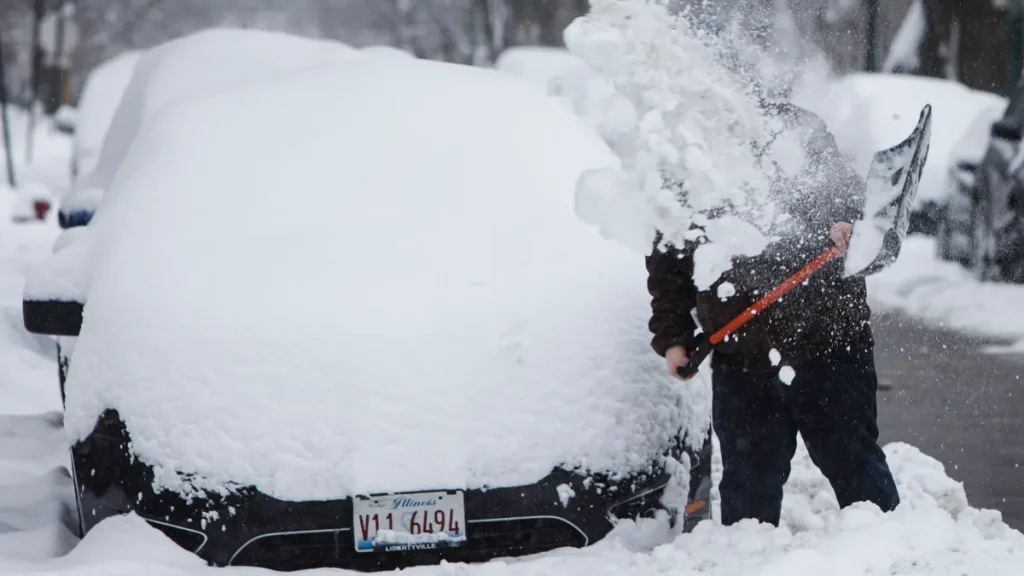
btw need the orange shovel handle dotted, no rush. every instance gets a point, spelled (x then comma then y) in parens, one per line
(778, 292)
(703, 345)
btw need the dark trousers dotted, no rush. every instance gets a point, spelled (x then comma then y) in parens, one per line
(831, 403)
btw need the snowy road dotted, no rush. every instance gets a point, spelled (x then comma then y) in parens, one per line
(957, 403)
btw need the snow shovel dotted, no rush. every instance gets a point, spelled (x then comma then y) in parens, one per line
(890, 188)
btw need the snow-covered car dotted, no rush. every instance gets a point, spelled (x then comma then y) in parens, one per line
(870, 112)
(997, 215)
(954, 236)
(96, 108)
(320, 326)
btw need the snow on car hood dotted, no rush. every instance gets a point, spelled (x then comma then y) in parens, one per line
(369, 278)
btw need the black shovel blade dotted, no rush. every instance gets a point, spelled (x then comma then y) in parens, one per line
(890, 189)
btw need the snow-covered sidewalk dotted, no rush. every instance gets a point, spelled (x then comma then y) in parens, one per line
(947, 295)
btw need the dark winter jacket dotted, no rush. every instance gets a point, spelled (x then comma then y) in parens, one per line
(826, 312)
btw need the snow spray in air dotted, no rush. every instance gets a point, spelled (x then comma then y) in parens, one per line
(699, 154)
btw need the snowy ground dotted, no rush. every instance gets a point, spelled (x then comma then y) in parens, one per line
(947, 295)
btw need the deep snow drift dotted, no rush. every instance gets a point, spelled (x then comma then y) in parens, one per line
(388, 262)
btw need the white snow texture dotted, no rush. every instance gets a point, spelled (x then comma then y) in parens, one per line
(411, 303)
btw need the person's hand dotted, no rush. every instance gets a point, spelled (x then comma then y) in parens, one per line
(676, 357)
(841, 232)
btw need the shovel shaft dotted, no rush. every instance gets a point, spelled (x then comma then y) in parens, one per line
(704, 344)
(773, 296)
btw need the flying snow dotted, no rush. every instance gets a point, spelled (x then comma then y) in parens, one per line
(690, 132)
(787, 374)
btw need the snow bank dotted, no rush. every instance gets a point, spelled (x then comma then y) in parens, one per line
(96, 107)
(946, 294)
(384, 289)
(934, 532)
(871, 112)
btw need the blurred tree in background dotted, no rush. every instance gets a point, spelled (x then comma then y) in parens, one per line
(465, 31)
(963, 39)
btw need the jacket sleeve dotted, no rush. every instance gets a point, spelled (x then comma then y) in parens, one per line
(673, 295)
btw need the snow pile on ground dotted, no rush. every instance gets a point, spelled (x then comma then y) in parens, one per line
(27, 362)
(384, 289)
(871, 112)
(933, 532)
(945, 294)
(100, 96)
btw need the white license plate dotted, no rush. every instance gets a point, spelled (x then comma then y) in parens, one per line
(407, 522)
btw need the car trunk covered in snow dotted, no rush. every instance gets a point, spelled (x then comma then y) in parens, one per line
(368, 278)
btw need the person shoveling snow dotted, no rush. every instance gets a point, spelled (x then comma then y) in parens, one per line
(750, 209)
(814, 315)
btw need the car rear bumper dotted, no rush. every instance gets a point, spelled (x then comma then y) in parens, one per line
(249, 528)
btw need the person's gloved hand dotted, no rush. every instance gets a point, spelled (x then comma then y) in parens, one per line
(676, 357)
(840, 234)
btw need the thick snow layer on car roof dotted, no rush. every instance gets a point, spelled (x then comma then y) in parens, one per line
(100, 96)
(203, 62)
(369, 278)
(870, 112)
(971, 145)
(538, 64)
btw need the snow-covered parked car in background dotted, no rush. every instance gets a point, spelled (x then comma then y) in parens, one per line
(954, 238)
(325, 326)
(869, 112)
(97, 105)
(997, 216)
(181, 68)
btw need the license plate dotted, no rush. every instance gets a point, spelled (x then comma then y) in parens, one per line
(407, 522)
